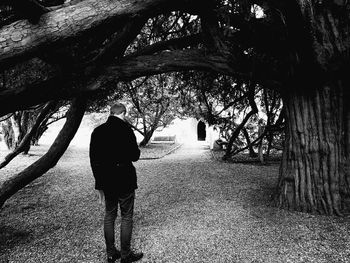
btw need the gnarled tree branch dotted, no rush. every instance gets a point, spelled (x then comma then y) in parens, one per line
(60, 87)
(49, 160)
(22, 39)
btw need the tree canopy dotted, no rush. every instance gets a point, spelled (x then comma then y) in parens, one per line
(299, 48)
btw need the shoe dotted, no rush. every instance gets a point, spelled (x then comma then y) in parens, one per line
(132, 257)
(113, 258)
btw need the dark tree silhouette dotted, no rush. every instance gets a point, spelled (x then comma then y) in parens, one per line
(299, 47)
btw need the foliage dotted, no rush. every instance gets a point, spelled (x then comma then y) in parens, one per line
(223, 101)
(273, 45)
(153, 103)
(164, 27)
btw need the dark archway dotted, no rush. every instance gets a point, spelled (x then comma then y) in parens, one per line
(201, 133)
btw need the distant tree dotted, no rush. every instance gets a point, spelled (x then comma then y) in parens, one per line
(24, 143)
(154, 104)
(51, 157)
(210, 96)
(272, 107)
(221, 101)
(232, 105)
(25, 128)
(267, 125)
(7, 132)
(16, 127)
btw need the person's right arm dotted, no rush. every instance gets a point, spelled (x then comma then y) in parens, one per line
(131, 151)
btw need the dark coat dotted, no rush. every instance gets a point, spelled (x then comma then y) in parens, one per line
(113, 148)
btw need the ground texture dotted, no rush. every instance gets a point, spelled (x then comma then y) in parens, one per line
(190, 207)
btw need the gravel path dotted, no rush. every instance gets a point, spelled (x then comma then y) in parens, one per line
(193, 209)
(189, 208)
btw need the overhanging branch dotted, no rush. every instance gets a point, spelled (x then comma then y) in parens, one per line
(61, 88)
(179, 60)
(176, 43)
(22, 39)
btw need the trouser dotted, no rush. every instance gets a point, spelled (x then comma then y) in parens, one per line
(126, 204)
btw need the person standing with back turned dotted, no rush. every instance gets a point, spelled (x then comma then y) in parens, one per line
(113, 148)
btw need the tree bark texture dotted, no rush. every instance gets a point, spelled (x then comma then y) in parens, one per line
(49, 160)
(312, 175)
(23, 39)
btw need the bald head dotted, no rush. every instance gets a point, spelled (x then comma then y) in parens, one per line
(117, 109)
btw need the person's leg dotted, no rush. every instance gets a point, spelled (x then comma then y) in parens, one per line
(127, 210)
(111, 211)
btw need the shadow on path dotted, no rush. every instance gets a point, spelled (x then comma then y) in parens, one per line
(192, 208)
(189, 208)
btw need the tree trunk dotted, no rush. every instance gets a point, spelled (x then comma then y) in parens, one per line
(269, 139)
(9, 135)
(146, 138)
(16, 127)
(23, 145)
(312, 176)
(261, 143)
(254, 110)
(261, 152)
(252, 153)
(49, 160)
(39, 133)
(24, 128)
(346, 185)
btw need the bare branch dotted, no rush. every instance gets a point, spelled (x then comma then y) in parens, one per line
(255, 142)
